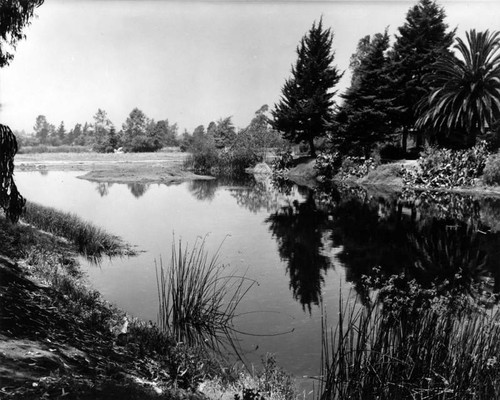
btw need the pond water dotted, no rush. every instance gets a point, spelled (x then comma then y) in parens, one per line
(299, 246)
(280, 314)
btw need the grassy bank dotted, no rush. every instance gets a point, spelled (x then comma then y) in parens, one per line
(90, 240)
(74, 335)
(60, 339)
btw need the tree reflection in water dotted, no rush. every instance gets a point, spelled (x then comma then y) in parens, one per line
(440, 240)
(103, 188)
(299, 230)
(138, 189)
(203, 190)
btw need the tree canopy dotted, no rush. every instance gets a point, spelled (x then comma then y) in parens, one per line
(11, 200)
(15, 15)
(305, 109)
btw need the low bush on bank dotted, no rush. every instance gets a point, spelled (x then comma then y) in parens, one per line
(283, 161)
(333, 165)
(90, 241)
(212, 161)
(449, 168)
(54, 149)
(491, 175)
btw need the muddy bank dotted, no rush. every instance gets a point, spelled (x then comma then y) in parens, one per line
(159, 167)
(142, 174)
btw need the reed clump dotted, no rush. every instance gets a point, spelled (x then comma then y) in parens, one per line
(90, 240)
(197, 301)
(434, 351)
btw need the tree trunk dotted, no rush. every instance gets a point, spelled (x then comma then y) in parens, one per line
(420, 139)
(404, 142)
(312, 149)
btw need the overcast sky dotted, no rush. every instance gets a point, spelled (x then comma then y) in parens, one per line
(190, 62)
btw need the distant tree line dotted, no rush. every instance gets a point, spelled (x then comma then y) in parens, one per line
(138, 133)
(418, 88)
(141, 134)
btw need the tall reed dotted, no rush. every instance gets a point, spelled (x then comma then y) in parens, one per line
(90, 240)
(197, 302)
(436, 354)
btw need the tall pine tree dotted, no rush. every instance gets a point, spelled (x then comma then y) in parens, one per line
(421, 41)
(305, 108)
(367, 103)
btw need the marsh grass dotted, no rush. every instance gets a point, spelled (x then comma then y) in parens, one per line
(438, 353)
(90, 240)
(197, 301)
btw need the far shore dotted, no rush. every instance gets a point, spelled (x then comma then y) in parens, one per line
(159, 167)
(166, 167)
(385, 177)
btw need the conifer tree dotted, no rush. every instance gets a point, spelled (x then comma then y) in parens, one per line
(421, 41)
(305, 108)
(367, 103)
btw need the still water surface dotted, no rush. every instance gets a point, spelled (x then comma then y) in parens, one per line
(250, 220)
(300, 246)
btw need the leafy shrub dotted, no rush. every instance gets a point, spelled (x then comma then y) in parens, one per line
(283, 160)
(356, 167)
(203, 160)
(207, 159)
(328, 164)
(448, 168)
(187, 365)
(491, 174)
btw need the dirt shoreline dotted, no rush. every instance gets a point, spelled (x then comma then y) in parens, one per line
(159, 167)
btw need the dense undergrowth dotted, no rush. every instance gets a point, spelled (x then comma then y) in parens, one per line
(436, 168)
(212, 161)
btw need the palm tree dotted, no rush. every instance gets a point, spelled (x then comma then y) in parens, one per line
(465, 91)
